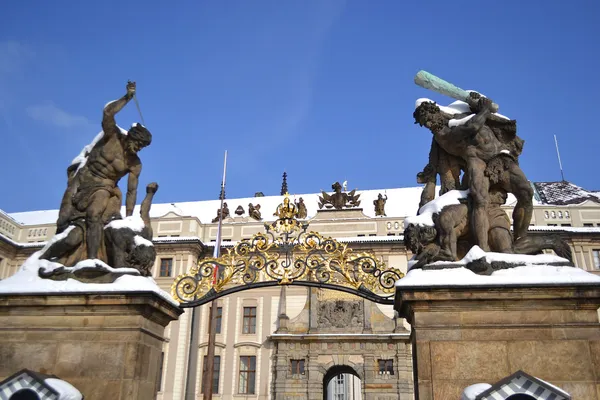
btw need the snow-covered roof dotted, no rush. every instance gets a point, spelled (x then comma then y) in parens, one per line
(401, 203)
(563, 193)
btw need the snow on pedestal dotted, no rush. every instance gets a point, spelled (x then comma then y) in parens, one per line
(534, 270)
(425, 217)
(133, 222)
(27, 280)
(65, 390)
(471, 392)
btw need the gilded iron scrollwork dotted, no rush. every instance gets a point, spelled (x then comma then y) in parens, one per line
(287, 254)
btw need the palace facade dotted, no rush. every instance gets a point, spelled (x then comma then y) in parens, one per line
(295, 342)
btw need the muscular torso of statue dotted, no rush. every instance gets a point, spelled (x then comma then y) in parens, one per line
(108, 163)
(467, 143)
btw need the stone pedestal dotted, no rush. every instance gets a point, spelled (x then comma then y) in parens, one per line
(106, 345)
(466, 335)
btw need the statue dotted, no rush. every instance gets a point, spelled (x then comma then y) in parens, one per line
(449, 238)
(379, 204)
(301, 207)
(447, 166)
(92, 198)
(254, 211)
(470, 138)
(286, 210)
(338, 199)
(481, 140)
(129, 248)
(225, 213)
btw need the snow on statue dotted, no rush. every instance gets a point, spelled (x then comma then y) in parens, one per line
(91, 233)
(471, 140)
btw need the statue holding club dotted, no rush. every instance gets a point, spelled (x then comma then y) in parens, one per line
(488, 147)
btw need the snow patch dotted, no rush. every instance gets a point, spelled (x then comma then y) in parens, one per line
(477, 253)
(27, 280)
(435, 206)
(471, 392)
(140, 241)
(65, 390)
(538, 274)
(457, 122)
(133, 222)
(457, 107)
(82, 157)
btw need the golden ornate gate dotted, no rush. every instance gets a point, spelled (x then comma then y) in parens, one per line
(286, 254)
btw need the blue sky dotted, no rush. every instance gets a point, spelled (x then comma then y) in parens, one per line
(322, 89)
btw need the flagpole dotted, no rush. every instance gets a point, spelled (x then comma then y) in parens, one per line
(208, 375)
(192, 370)
(559, 162)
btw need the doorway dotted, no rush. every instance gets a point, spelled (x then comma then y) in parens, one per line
(342, 382)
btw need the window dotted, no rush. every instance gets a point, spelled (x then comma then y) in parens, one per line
(218, 318)
(588, 224)
(386, 367)
(596, 257)
(297, 367)
(372, 234)
(166, 264)
(247, 374)
(249, 325)
(551, 224)
(339, 390)
(565, 224)
(391, 234)
(216, 373)
(360, 235)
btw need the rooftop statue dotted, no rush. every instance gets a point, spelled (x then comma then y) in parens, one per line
(339, 200)
(302, 212)
(379, 204)
(92, 198)
(225, 213)
(254, 211)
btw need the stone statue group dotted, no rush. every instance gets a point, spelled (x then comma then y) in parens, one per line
(473, 149)
(90, 224)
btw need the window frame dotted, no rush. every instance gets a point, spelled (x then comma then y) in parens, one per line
(250, 379)
(219, 320)
(596, 258)
(169, 270)
(298, 366)
(216, 373)
(249, 321)
(385, 366)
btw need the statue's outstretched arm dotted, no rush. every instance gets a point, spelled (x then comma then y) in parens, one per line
(132, 185)
(146, 204)
(109, 125)
(477, 122)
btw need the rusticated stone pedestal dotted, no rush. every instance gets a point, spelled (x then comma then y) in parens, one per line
(107, 345)
(466, 335)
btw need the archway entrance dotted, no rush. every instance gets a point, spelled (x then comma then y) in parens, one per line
(342, 382)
